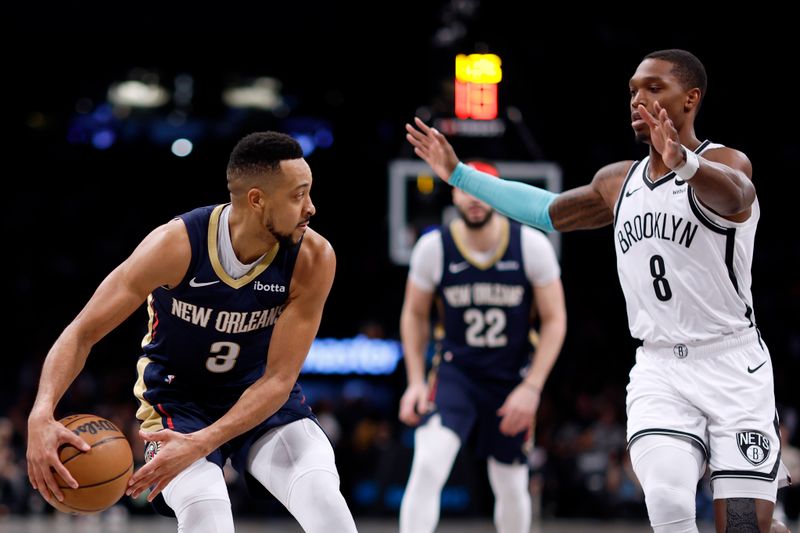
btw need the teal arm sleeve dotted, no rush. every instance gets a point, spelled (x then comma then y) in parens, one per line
(525, 203)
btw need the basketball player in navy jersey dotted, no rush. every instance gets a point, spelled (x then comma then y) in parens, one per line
(235, 294)
(489, 276)
(701, 392)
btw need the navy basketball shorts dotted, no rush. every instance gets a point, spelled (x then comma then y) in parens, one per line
(468, 406)
(163, 405)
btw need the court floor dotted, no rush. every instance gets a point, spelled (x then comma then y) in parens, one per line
(66, 524)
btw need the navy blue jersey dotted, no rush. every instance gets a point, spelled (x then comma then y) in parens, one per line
(207, 341)
(486, 309)
(212, 331)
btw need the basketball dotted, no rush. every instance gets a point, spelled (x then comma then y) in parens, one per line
(102, 473)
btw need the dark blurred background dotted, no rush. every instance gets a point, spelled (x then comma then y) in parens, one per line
(89, 180)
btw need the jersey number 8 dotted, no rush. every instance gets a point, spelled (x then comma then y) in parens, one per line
(660, 283)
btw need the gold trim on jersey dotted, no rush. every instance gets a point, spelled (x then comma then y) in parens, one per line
(533, 337)
(148, 337)
(501, 248)
(433, 380)
(150, 419)
(439, 332)
(213, 255)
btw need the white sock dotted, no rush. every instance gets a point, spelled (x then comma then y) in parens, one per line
(295, 463)
(435, 449)
(668, 469)
(206, 516)
(199, 497)
(512, 501)
(317, 504)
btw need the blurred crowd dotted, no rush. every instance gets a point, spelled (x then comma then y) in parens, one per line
(579, 463)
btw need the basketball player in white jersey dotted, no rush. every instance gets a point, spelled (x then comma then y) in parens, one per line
(701, 392)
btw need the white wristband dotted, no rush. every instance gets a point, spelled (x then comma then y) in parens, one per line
(689, 167)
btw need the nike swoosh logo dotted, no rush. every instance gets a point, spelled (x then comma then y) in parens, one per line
(751, 370)
(507, 265)
(193, 283)
(628, 193)
(455, 268)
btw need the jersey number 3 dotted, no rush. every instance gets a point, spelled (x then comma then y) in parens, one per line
(660, 283)
(223, 357)
(485, 329)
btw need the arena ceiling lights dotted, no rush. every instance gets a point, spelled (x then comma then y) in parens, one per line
(263, 93)
(135, 93)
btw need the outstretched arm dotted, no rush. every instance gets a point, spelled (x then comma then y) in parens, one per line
(587, 207)
(291, 340)
(590, 206)
(161, 259)
(721, 178)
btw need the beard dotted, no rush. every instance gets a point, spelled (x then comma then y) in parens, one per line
(476, 224)
(285, 240)
(642, 138)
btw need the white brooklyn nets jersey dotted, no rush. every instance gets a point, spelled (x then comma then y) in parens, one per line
(685, 270)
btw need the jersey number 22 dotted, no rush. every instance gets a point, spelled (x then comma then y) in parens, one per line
(485, 328)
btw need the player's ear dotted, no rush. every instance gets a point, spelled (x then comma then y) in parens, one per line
(256, 198)
(692, 99)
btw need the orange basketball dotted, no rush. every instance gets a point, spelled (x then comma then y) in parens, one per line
(102, 473)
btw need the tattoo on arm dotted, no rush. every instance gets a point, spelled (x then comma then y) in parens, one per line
(581, 208)
(741, 515)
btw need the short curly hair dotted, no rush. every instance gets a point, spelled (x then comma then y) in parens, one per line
(686, 67)
(262, 152)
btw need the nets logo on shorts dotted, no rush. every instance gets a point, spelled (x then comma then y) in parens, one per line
(753, 445)
(680, 351)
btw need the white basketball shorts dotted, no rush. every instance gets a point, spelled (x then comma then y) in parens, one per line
(719, 395)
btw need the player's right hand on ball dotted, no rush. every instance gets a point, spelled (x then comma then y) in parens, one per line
(414, 404)
(45, 437)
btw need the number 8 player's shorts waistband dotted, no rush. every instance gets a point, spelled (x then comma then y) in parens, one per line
(703, 349)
